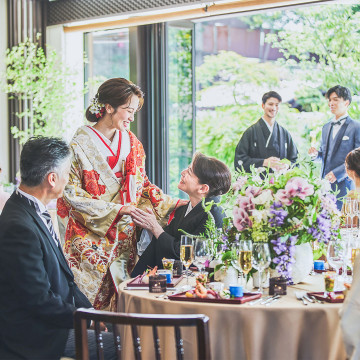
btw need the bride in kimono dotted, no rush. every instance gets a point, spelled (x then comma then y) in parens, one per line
(107, 181)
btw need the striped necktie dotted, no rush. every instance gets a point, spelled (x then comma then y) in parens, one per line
(45, 215)
(50, 226)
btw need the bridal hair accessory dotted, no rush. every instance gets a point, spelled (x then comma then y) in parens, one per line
(96, 107)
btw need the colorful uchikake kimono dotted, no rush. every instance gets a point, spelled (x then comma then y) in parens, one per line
(100, 244)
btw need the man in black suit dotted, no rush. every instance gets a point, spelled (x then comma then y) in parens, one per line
(38, 295)
(206, 177)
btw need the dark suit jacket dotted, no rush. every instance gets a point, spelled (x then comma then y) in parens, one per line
(168, 243)
(38, 295)
(346, 140)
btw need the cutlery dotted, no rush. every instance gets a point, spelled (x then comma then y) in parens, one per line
(258, 300)
(307, 298)
(136, 288)
(300, 296)
(317, 300)
(272, 301)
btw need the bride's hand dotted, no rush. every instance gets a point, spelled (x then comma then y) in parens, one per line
(127, 209)
(147, 220)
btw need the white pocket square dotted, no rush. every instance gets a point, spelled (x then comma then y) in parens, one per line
(345, 138)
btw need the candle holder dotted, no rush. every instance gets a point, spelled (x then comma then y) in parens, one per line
(177, 268)
(157, 284)
(277, 286)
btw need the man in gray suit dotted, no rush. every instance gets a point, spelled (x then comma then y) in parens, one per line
(339, 137)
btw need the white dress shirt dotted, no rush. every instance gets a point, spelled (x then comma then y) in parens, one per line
(337, 127)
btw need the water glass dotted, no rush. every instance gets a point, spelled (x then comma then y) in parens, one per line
(261, 259)
(202, 252)
(335, 256)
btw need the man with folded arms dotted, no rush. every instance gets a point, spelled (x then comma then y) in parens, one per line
(38, 295)
(339, 136)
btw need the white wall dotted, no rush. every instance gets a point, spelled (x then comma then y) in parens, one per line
(70, 48)
(4, 128)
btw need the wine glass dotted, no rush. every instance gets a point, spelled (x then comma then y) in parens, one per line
(261, 259)
(350, 209)
(186, 253)
(335, 257)
(201, 253)
(245, 257)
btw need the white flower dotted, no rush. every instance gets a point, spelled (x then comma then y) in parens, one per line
(264, 198)
(260, 215)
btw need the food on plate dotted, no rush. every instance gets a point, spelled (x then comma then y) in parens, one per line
(201, 278)
(224, 294)
(145, 276)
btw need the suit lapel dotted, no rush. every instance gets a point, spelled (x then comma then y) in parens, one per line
(59, 254)
(340, 135)
(326, 139)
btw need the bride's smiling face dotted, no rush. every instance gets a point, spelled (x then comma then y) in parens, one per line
(124, 114)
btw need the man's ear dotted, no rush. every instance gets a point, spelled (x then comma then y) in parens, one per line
(51, 178)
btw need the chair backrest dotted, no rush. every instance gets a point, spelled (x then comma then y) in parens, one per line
(134, 320)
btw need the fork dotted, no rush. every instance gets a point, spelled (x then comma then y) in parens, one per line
(300, 296)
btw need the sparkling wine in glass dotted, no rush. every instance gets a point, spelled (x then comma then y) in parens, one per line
(261, 259)
(186, 253)
(202, 252)
(245, 256)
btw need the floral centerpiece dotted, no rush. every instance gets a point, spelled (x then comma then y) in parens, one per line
(284, 209)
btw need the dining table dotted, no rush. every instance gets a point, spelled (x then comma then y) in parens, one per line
(284, 330)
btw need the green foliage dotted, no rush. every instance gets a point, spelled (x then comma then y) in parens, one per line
(44, 86)
(315, 60)
(331, 54)
(180, 104)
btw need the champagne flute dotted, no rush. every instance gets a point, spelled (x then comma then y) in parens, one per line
(245, 257)
(261, 260)
(201, 253)
(186, 253)
(335, 253)
(350, 209)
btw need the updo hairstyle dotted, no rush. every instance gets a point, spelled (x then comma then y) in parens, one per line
(352, 161)
(115, 92)
(212, 172)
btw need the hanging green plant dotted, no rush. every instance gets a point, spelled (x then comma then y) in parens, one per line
(43, 87)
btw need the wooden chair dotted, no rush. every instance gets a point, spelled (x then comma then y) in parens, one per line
(135, 320)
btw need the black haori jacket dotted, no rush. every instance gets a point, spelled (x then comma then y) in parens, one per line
(168, 243)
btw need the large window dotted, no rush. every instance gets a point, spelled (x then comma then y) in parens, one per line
(107, 56)
(180, 109)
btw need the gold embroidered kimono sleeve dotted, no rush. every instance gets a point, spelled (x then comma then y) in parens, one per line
(95, 235)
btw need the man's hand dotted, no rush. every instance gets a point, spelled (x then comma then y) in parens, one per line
(313, 152)
(273, 162)
(331, 177)
(147, 220)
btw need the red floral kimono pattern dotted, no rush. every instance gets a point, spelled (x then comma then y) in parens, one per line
(89, 212)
